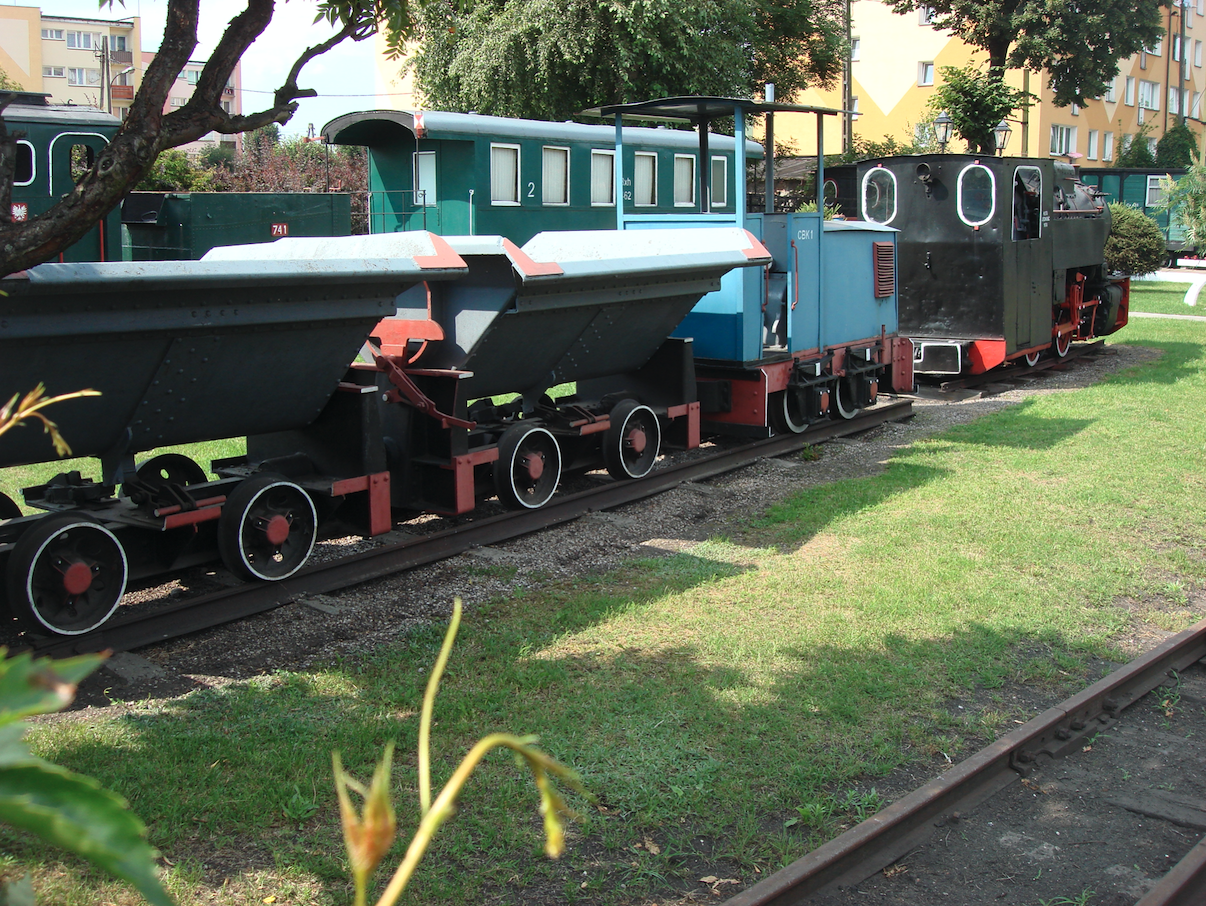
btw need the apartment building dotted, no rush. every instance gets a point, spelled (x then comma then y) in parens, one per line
(182, 90)
(896, 62)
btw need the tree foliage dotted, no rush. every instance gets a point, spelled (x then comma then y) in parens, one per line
(1135, 245)
(1185, 201)
(1178, 147)
(148, 131)
(1078, 44)
(1136, 150)
(549, 59)
(976, 103)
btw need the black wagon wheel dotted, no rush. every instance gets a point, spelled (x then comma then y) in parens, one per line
(787, 411)
(528, 467)
(267, 529)
(845, 398)
(66, 575)
(632, 443)
(8, 507)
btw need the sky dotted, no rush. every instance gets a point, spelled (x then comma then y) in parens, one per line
(344, 77)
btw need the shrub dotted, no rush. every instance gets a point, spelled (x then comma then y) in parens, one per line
(1135, 245)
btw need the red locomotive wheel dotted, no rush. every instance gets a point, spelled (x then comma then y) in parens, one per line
(66, 575)
(528, 468)
(632, 443)
(1032, 358)
(267, 529)
(1062, 344)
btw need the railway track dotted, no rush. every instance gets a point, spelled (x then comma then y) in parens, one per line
(1020, 371)
(180, 618)
(1038, 760)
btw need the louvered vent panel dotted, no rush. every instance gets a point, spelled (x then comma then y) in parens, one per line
(885, 268)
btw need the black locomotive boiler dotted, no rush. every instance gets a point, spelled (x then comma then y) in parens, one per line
(1000, 259)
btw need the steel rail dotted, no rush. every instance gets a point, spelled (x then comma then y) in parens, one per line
(239, 602)
(887, 836)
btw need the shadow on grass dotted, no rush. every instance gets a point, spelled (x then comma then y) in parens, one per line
(1180, 361)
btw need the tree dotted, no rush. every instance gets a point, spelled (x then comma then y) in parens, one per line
(548, 59)
(1135, 245)
(174, 172)
(1178, 147)
(147, 130)
(976, 103)
(1185, 201)
(1078, 44)
(1137, 150)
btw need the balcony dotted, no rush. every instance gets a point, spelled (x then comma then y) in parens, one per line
(121, 56)
(122, 92)
(228, 91)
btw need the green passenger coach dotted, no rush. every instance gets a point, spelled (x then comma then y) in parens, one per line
(465, 174)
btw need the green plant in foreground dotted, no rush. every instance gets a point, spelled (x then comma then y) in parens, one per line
(1081, 899)
(65, 809)
(20, 408)
(369, 835)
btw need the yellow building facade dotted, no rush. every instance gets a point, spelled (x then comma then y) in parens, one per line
(896, 63)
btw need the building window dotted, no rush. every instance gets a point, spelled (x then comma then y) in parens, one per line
(854, 107)
(117, 42)
(1107, 146)
(855, 48)
(1128, 97)
(1176, 48)
(554, 174)
(504, 174)
(52, 34)
(720, 182)
(226, 106)
(425, 178)
(1197, 53)
(1063, 140)
(684, 180)
(54, 72)
(1158, 48)
(82, 40)
(191, 76)
(1188, 7)
(925, 73)
(1174, 99)
(644, 179)
(1110, 96)
(1195, 109)
(1091, 151)
(602, 177)
(1076, 110)
(83, 77)
(1149, 94)
(926, 15)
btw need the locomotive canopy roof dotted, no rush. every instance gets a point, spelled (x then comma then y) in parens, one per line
(701, 108)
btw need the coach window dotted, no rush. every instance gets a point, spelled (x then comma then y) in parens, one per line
(879, 195)
(1027, 202)
(644, 179)
(504, 174)
(1155, 191)
(425, 178)
(602, 177)
(25, 164)
(554, 174)
(976, 194)
(684, 180)
(720, 182)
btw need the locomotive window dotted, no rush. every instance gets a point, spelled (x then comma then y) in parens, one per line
(555, 176)
(684, 180)
(504, 174)
(602, 177)
(425, 178)
(720, 182)
(977, 195)
(25, 164)
(82, 158)
(1027, 203)
(644, 179)
(879, 195)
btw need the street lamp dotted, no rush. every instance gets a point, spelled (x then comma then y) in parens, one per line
(942, 130)
(1001, 136)
(113, 81)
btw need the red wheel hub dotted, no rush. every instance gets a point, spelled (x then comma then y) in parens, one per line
(277, 530)
(636, 441)
(77, 578)
(534, 464)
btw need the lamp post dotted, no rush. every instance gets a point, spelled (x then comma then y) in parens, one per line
(1001, 136)
(942, 130)
(113, 81)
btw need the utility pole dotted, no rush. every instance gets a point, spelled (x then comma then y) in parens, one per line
(848, 87)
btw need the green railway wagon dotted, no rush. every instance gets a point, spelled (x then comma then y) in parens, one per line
(465, 174)
(56, 145)
(1141, 188)
(184, 226)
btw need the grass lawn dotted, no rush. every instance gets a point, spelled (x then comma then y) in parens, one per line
(1165, 299)
(733, 706)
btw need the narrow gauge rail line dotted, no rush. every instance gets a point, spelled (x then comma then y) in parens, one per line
(205, 611)
(884, 838)
(1022, 370)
